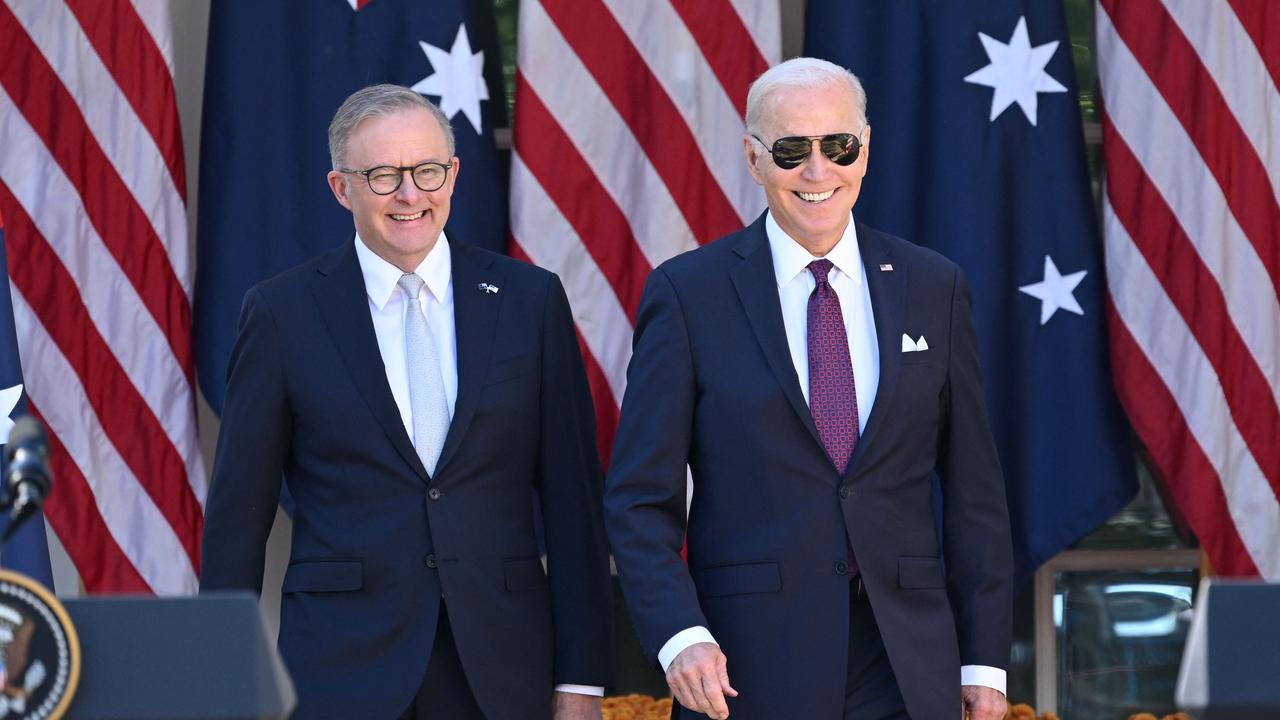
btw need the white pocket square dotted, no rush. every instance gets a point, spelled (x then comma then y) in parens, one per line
(909, 345)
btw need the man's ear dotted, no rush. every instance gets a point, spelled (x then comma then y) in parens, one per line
(751, 150)
(338, 184)
(453, 172)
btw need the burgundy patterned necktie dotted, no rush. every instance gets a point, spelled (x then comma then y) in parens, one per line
(832, 399)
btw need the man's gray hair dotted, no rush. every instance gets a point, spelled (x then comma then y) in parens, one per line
(801, 72)
(376, 101)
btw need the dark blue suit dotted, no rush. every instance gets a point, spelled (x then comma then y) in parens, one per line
(711, 383)
(376, 541)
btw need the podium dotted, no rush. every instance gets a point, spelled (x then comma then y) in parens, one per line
(1231, 664)
(205, 657)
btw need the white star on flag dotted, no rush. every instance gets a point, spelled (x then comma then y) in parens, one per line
(1016, 71)
(1055, 291)
(8, 401)
(458, 79)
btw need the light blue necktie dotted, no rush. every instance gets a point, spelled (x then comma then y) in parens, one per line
(427, 402)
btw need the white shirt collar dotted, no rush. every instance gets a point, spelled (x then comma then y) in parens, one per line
(790, 258)
(381, 278)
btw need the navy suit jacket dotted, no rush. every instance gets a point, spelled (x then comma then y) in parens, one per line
(711, 383)
(376, 540)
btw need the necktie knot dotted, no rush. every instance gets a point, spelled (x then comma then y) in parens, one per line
(411, 284)
(819, 269)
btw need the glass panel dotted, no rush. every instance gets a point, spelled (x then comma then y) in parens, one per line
(1080, 29)
(505, 12)
(1144, 524)
(1119, 638)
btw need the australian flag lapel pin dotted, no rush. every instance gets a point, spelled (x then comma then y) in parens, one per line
(487, 288)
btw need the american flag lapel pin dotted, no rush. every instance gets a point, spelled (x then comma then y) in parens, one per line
(490, 289)
(886, 267)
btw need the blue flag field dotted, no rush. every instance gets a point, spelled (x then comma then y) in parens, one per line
(276, 72)
(977, 152)
(27, 551)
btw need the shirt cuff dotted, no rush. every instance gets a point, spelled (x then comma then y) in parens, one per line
(682, 640)
(984, 675)
(593, 690)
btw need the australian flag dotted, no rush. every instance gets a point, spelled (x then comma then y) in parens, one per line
(276, 73)
(977, 152)
(27, 551)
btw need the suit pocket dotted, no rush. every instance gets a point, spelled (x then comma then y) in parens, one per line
(524, 574)
(738, 579)
(920, 572)
(511, 367)
(921, 357)
(323, 576)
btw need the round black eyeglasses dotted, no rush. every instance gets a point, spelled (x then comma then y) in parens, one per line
(386, 179)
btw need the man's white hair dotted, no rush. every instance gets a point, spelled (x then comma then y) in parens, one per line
(378, 101)
(801, 72)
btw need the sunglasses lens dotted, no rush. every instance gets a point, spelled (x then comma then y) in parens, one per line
(789, 152)
(840, 148)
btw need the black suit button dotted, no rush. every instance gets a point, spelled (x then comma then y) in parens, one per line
(434, 493)
(842, 568)
(845, 492)
(430, 561)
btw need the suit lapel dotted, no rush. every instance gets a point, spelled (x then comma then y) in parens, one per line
(758, 290)
(888, 290)
(340, 293)
(475, 314)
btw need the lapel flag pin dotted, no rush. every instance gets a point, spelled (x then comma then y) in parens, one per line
(886, 267)
(491, 289)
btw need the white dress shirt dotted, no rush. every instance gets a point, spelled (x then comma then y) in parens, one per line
(848, 279)
(388, 305)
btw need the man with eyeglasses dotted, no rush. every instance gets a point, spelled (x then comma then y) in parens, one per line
(416, 394)
(814, 374)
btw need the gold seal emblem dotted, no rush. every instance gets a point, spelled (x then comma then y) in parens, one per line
(39, 651)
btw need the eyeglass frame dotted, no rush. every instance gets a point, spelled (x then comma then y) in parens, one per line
(857, 149)
(400, 176)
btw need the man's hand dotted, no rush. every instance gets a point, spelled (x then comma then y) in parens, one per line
(574, 706)
(699, 678)
(983, 703)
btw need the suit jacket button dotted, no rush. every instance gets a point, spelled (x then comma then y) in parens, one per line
(430, 561)
(842, 568)
(434, 493)
(845, 492)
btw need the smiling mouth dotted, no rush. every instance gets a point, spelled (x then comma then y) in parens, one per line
(814, 197)
(409, 218)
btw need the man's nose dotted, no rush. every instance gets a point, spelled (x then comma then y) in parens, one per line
(816, 164)
(408, 190)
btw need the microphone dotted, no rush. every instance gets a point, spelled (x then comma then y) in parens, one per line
(27, 478)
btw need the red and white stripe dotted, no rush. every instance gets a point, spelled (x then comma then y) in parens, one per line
(92, 187)
(1191, 214)
(628, 150)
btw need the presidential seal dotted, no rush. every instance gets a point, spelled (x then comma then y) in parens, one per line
(39, 651)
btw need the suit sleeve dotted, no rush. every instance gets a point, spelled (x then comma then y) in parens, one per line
(646, 487)
(252, 446)
(976, 537)
(570, 487)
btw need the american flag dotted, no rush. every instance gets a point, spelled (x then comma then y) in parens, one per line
(628, 150)
(93, 192)
(1191, 215)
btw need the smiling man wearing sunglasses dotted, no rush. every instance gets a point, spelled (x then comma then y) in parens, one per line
(814, 374)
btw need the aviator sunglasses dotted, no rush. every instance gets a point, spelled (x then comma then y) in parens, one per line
(789, 152)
